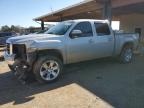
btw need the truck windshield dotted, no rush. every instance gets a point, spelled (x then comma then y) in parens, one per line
(60, 29)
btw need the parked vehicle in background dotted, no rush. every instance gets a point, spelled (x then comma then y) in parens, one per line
(67, 42)
(41, 32)
(4, 36)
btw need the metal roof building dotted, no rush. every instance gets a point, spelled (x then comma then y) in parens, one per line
(95, 9)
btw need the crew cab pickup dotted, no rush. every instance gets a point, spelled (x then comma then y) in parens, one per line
(43, 55)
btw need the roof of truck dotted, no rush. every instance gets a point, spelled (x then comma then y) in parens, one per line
(94, 20)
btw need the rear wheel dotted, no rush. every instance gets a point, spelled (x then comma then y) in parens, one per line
(47, 69)
(126, 55)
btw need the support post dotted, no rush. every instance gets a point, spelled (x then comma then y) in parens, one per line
(61, 18)
(107, 10)
(42, 25)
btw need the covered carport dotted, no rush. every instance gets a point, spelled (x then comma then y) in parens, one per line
(128, 12)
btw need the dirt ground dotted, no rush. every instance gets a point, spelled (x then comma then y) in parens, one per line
(103, 83)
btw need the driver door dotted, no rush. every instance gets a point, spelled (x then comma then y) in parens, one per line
(79, 47)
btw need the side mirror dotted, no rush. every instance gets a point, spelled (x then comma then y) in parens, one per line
(75, 33)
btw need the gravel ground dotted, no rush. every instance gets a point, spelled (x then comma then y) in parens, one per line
(103, 83)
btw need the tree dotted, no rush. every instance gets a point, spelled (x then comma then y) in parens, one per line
(5, 28)
(13, 28)
(16, 29)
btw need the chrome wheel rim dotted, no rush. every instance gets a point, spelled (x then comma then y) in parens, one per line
(49, 70)
(128, 55)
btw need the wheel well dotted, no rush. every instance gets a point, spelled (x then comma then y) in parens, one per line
(130, 44)
(51, 52)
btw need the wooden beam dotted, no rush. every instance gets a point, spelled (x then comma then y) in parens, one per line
(84, 9)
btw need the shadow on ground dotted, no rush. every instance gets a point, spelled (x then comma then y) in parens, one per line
(121, 85)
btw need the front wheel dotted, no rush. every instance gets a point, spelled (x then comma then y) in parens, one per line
(126, 55)
(47, 69)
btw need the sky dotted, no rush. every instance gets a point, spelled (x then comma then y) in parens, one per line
(21, 12)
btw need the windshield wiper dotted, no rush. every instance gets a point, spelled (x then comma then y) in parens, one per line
(50, 33)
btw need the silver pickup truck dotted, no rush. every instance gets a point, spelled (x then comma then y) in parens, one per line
(43, 55)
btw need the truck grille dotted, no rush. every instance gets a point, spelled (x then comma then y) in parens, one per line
(18, 49)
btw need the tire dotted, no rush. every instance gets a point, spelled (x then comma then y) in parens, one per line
(126, 55)
(47, 69)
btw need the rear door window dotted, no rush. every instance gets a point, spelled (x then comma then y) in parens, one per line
(102, 29)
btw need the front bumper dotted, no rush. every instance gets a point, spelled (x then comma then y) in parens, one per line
(9, 58)
(20, 69)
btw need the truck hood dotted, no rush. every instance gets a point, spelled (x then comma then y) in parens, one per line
(33, 37)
